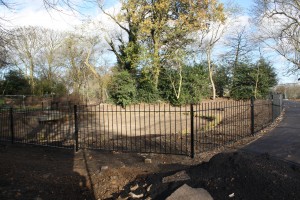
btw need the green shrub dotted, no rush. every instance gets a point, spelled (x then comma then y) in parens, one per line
(146, 91)
(122, 89)
(194, 85)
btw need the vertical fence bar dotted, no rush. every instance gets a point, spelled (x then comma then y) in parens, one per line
(252, 115)
(192, 131)
(273, 108)
(76, 128)
(11, 117)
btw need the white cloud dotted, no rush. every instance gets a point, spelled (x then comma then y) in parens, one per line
(35, 14)
(57, 20)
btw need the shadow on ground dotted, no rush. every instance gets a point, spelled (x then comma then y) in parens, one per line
(38, 173)
(244, 175)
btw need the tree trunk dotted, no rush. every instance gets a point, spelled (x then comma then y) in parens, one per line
(210, 71)
(178, 90)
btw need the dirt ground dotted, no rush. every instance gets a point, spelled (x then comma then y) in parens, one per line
(39, 173)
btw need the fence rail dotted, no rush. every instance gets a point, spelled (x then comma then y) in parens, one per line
(146, 128)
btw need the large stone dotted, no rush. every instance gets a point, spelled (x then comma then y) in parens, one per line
(135, 196)
(103, 168)
(187, 192)
(179, 176)
(134, 188)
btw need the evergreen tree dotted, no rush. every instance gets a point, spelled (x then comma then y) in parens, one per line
(253, 80)
(222, 80)
(122, 88)
(15, 83)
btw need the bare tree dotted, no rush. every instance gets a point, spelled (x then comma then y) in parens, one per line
(24, 47)
(279, 26)
(239, 46)
(3, 50)
(207, 41)
(49, 60)
(50, 4)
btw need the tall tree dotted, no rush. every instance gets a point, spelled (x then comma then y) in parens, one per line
(49, 60)
(24, 46)
(253, 79)
(208, 41)
(222, 80)
(239, 46)
(128, 19)
(152, 25)
(168, 20)
(3, 50)
(76, 70)
(279, 27)
(15, 83)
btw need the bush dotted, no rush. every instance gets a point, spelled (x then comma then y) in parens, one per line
(146, 89)
(122, 89)
(247, 77)
(194, 85)
(15, 83)
(44, 86)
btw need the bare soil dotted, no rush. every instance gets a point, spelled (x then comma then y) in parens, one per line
(33, 172)
(159, 128)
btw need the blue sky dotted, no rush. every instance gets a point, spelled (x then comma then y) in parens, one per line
(244, 3)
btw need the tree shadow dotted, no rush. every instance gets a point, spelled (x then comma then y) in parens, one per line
(34, 172)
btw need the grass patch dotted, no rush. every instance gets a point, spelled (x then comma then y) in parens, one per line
(212, 121)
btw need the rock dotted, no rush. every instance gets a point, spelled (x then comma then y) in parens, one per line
(133, 188)
(144, 154)
(120, 198)
(18, 194)
(179, 176)
(148, 161)
(135, 196)
(187, 192)
(231, 195)
(104, 168)
(46, 176)
(149, 188)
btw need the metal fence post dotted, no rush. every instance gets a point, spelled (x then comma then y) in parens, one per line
(281, 103)
(76, 128)
(12, 132)
(273, 108)
(252, 115)
(192, 132)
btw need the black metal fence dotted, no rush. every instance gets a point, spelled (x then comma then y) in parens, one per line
(146, 128)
